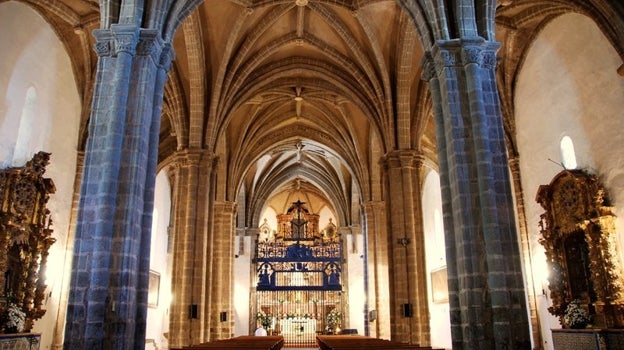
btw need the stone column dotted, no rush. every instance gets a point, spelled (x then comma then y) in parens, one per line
(376, 274)
(408, 273)
(222, 269)
(525, 244)
(189, 319)
(486, 287)
(107, 304)
(57, 338)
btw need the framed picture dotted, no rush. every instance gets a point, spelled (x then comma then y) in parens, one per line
(439, 285)
(154, 288)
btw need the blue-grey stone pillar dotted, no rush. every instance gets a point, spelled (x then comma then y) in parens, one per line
(108, 290)
(486, 288)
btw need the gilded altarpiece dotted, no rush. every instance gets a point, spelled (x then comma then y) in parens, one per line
(578, 234)
(298, 277)
(25, 238)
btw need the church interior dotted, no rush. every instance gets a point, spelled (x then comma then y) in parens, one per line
(445, 173)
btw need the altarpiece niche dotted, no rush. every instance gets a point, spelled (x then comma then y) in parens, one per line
(578, 234)
(25, 238)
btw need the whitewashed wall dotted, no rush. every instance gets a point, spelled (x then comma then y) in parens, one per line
(355, 267)
(440, 321)
(161, 265)
(568, 85)
(242, 283)
(33, 59)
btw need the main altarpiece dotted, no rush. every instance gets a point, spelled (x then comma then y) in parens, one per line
(299, 277)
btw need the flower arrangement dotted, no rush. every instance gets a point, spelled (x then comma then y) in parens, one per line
(13, 319)
(333, 318)
(264, 319)
(575, 315)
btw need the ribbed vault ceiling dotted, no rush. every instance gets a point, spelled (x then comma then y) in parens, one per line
(298, 92)
(308, 93)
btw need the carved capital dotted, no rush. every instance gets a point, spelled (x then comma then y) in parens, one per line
(404, 159)
(125, 39)
(150, 44)
(194, 158)
(167, 55)
(458, 53)
(103, 42)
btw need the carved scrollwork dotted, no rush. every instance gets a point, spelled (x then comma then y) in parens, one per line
(578, 235)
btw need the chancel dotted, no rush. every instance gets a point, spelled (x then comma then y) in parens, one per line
(338, 174)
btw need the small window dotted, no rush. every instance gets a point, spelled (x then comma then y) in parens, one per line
(568, 156)
(24, 132)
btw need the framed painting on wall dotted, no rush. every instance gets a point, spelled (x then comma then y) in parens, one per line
(154, 288)
(439, 285)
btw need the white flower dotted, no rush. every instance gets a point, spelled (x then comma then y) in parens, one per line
(575, 315)
(333, 318)
(14, 318)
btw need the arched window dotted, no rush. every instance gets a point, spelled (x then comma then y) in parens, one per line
(24, 133)
(568, 156)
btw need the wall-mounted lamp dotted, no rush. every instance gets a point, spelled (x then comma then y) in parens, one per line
(372, 315)
(403, 241)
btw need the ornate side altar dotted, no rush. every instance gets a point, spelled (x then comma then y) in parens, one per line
(25, 238)
(578, 234)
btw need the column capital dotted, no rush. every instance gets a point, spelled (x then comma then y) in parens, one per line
(119, 38)
(167, 55)
(457, 53)
(103, 42)
(404, 159)
(194, 157)
(150, 44)
(126, 38)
